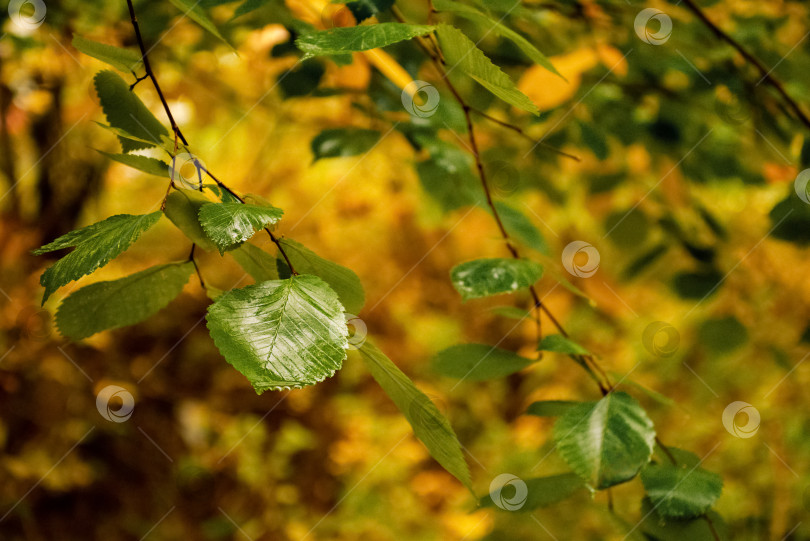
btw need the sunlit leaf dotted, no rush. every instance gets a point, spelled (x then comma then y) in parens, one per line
(339, 41)
(560, 344)
(126, 60)
(145, 164)
(194, 11)
(230, 224)
(484, 277)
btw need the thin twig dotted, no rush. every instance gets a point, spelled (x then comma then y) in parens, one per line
(766, 73)
(196, 268)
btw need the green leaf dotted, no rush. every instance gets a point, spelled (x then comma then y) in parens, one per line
(605, 442)
(230, 224)
(165, 143)
(446, 176)
(722, 335)
(459, 52)
(343, 280)
(511, 312)
(497, 27)
(182, 207)
(791, 220)
(96, 245)
(117, 303)
(560, 344)
(256, 262)
(338, 41)
(681, 491)
(192, 10)
(478, 362)
(343, 142)
(551, 408)
(281, 334)
(669, 529)
(697, 285)
(543, 491)
(125, 110)
(363, 9)
(141, 163)
(429, 425)
(126, 60)
(519, 226)
(484, 277)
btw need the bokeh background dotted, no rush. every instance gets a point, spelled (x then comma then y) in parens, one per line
(685, 187)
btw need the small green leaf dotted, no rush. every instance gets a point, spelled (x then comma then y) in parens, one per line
(230, 224)
(511, 312)
(118, 303)
(343, 280)
(182, 207)
(484, 277)
(339, 41)
(343, 142)
(459, 52)
(517, 224)
(281, 334)
(697, 285)
(551, 408)
(478, 362)
(363, 9)
(148, 165)
(605, 442)
(429, 425)
(544, 491)
(447, 176)
(192, 10)
(681, 491)
(498, 28)
(256, 262)
(124, 110)
(126, 60)
(96, 245)
(722, 335)
(560, 344)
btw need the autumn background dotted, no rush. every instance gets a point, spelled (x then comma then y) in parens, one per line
(684, 185)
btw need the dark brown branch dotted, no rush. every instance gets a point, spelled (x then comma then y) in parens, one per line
(766, 73)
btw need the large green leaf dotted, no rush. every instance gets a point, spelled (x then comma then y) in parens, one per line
(230, 224)
(461, 53)
(484, 277)
(518, 225)
(429, 425)
(343, 142)
(560, 344)
(497, 27)
(340, 41)
(124, 110)
(605, 442)
(117, 303)
(181, 208)
(148, 165)
(126, 60)
(343, 280)
(543, 491)
(478, 362)
(681, 491)
(96, 245)
(256, 262)
(194, 11)
(281, 334)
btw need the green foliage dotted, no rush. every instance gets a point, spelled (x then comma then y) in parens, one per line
(193, 11)
(260, 265)
(551, 408)
(281, 334)
(117, 303)
(722, 335)
(485, 277)
(518, 225)
(343, 142)
(125, 111)
(230, 224)
(145, 164)
(343, 281)
(671, 529)
(483, 20)
(96, 245)
(560, 344)
(446, 176)
(340, 41)
(680, 491)
(544, 491)
(126, 60)
(429, 425)
(182, 208)
(605, 442)
(462, 54)
(478, 362)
